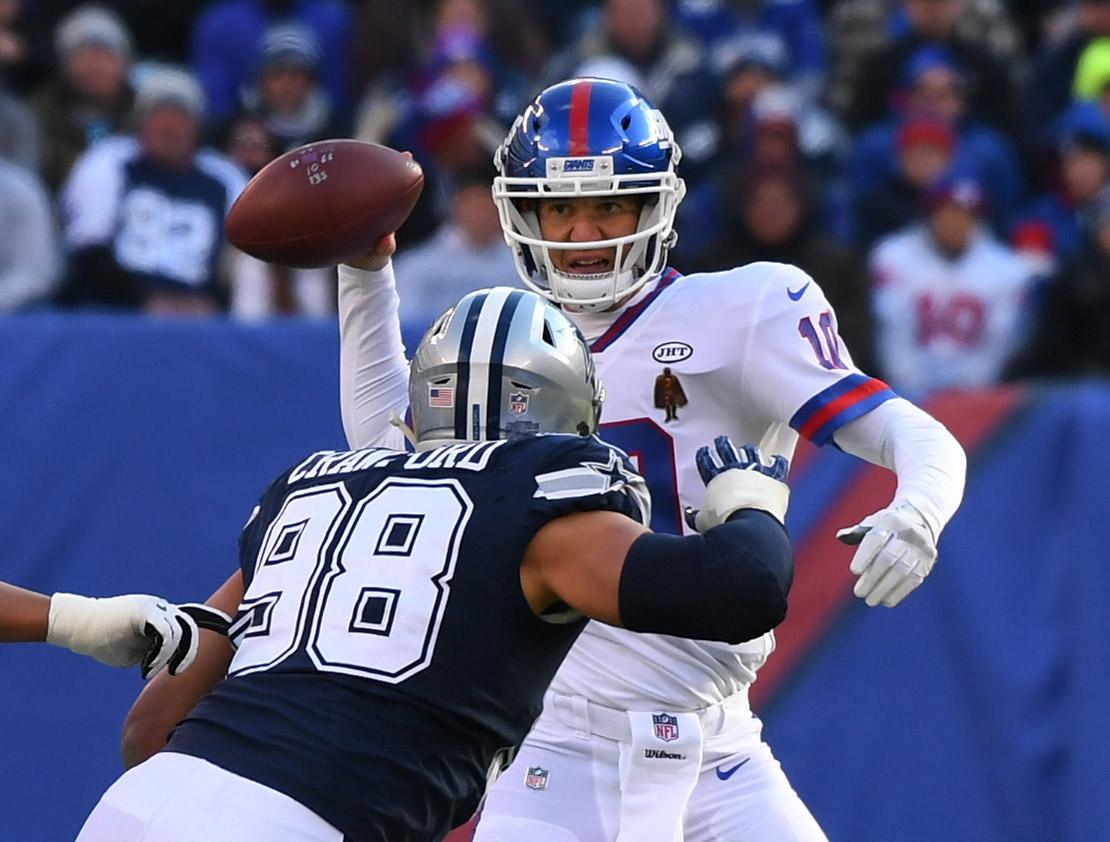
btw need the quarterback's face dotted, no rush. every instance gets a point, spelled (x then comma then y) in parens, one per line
(585, 220)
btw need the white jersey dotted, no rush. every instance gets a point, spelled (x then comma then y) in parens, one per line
(752, 353)
(942, 322)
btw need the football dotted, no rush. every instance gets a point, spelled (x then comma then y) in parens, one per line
(323, 202)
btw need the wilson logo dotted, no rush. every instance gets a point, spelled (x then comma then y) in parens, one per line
(672, 352)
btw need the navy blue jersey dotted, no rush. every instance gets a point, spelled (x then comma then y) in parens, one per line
(386, 652)
(163, 226)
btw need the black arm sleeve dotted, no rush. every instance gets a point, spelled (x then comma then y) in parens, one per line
(730, 584)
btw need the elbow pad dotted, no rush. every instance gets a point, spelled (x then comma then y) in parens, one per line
(730, 584)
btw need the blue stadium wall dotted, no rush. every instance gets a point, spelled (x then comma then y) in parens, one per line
(131, 451)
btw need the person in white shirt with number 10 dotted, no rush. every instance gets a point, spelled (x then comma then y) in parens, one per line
(649, 737)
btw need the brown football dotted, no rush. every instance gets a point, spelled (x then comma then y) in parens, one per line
(323, 202)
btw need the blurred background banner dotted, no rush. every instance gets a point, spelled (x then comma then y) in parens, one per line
(134, 449)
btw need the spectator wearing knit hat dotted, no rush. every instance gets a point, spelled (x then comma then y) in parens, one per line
(89, 97)
(1080, 141)
(925, 148)
(934, 87)
(286, 92)
(950, 300)
(143, 215)
(228, 38)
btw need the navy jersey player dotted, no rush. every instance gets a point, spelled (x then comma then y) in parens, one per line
(400, 614)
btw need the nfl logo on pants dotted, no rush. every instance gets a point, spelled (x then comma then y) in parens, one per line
(536, 778)
(665, 725)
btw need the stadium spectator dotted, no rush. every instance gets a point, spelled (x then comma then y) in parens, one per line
(1052, 74)
(925, 148)
(89, 97)
(858, 29)
(790, 28)
(1082, 143)
(28, 242)
(392, 37)
(949, 299)
(144, 215)
(773, 215)
(1073, 333)
(228, 37)
(935, 88)
(880, 84)
(466, 253)
(286, 92)
(670, 64)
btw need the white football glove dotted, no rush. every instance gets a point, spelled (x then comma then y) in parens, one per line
(121, 631)
(896, 552)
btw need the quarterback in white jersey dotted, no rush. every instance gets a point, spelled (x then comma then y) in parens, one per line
(651, 738)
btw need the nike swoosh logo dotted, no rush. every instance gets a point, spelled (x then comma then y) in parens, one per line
(794, 296)
(725, 774)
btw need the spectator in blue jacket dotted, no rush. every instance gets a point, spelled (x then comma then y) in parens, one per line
(1081, 140)
(791, 28)
(936, 89)
(227, 40)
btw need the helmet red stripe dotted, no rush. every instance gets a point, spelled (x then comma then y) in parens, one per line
(580, 118)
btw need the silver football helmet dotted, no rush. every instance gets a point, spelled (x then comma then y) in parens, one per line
(501, 362)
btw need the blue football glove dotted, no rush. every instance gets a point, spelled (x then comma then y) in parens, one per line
(738, 478)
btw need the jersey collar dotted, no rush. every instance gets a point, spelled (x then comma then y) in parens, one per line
(608, 327)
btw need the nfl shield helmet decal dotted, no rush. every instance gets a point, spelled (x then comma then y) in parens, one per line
(518, 403)
(665, 726)
(535, 778)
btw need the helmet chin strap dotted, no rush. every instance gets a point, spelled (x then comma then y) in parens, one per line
(405, 429)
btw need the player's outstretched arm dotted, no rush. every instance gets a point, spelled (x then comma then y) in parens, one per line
(119, 631)
(729, 583)
(373, 371)
(23, 615)
(167, 699)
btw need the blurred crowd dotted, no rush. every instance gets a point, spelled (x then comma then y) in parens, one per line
(942, 167)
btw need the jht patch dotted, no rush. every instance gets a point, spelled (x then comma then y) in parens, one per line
(665, 725)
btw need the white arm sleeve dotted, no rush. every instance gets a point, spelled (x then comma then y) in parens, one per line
(373, 371)
(929, 462)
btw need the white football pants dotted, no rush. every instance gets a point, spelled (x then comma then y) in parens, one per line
(178, 798)
(568, 781)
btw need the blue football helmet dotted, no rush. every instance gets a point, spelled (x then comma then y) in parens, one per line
(587, 138)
